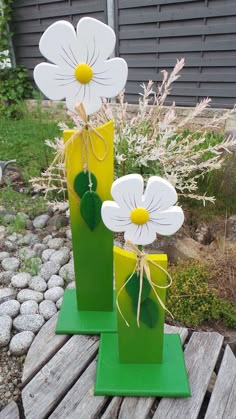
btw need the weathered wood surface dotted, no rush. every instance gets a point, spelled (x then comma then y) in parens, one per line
(45, 345)
(80, 399)
(223, 399)
(182, 331)
(61, 372)
(200, 355)
(11, 411)
(54, 380)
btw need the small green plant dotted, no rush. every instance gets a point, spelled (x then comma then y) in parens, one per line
(17, 225)
(31, 265)
(190, 298)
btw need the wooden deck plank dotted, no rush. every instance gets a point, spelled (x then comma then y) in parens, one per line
(44, 346)
(133, 407)
(182, 331)
(11, 411)
(53, 381)
(113, 408)
(80, 402)
(136, 407)
(201, 355)
(223, 399)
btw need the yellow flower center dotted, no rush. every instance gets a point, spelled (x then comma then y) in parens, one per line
(139, 216)
(83, 73)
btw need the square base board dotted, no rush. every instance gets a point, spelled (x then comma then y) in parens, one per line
(74, 322)
(168, 379)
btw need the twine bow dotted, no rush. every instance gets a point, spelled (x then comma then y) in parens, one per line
(142, 266)
(85, 133)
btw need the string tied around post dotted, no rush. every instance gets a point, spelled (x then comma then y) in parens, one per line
(142, 267)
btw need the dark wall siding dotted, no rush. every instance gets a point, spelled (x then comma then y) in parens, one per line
(31, 18)
(154, 33)
(151, 34)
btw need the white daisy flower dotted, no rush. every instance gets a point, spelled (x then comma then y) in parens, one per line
(142, 216)
(80, 71)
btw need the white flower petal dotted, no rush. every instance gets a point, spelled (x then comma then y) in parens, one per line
(115, 218)
(98, 38)
(140, 234)
(59, 45)
(167, 222)
(51, 80)
(159, 194)
(127, 191)
(92, 103)
(110, 77)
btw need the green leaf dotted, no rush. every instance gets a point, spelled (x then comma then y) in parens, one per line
(90, 209)
(149, 313)
(132, 288)
(81, 183)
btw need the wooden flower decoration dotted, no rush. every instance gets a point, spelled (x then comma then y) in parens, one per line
(81, 71)
(142, 216)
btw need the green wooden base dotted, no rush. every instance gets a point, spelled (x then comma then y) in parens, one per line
(168, 379)
(74, 322)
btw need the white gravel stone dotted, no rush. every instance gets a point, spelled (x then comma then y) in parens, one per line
(39, 248)
(29, 238)
(56, 243)
(23, 216)
(63, 207)
(29, 307)
(41, 221)
(48, 269)
(2, 232)
(28, 322)
(10, 246)
(7, 294)
(37, 283)
(5, 277)
(8, 218)
(25, 295)
(47, 308)
(5, 329)
(71, 286)
(21, 342)
(11, 308)
(69, 234)
(47, 254)
(59, 303)
(10, 264)
(26, 253)
(46, 238)
(4, 255)
(21, 280)
(13, 237)
(54, 294)
(55, 281)
(61, 256)
(67, 272)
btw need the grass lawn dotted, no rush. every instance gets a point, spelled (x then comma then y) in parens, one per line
(23, 140)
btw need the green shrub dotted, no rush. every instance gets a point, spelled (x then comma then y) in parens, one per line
(14, 87)
(192, 301)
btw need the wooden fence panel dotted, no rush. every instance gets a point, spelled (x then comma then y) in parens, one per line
(32, 17)
(152, 34)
